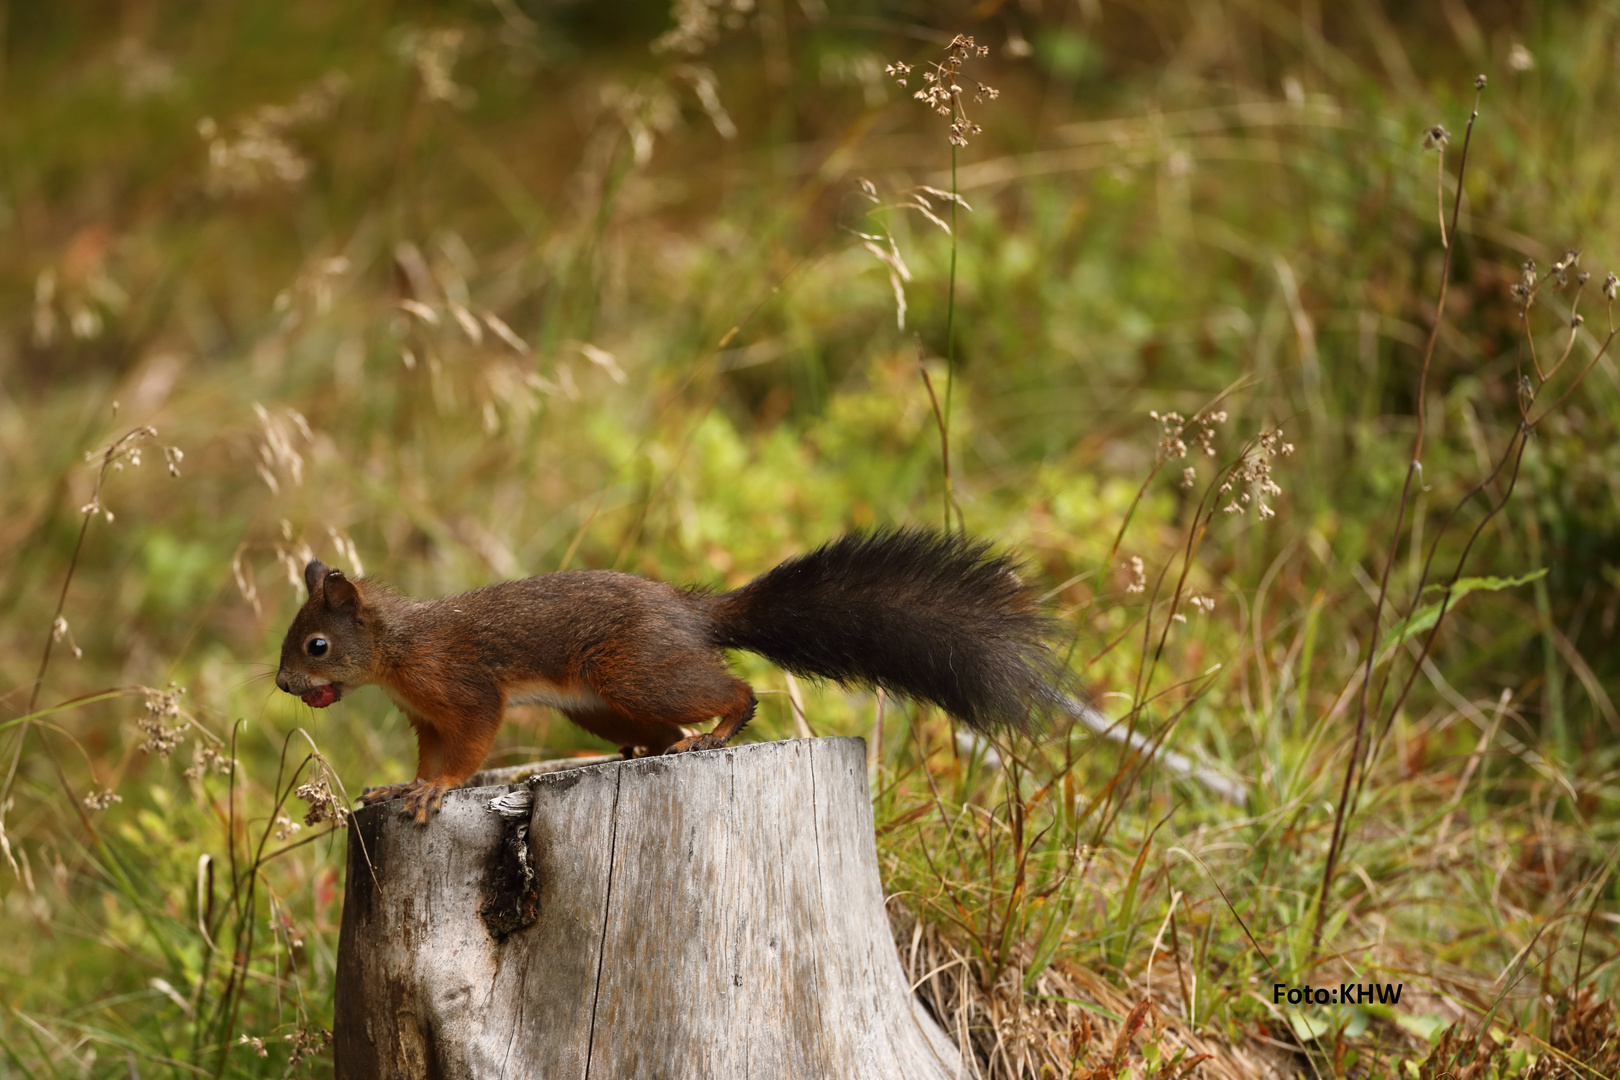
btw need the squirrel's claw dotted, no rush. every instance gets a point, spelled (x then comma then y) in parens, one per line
(706, 741)
(424, 799)
(386, 793)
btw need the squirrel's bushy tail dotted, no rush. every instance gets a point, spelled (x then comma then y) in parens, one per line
(923, 614)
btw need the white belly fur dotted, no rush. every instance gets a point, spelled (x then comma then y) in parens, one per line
(540, 692)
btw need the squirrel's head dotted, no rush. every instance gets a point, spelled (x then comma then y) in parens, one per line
(329, 646)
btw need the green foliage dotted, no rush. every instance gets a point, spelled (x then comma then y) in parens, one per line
(1424, 618)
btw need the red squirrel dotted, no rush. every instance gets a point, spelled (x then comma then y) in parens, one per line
(922, 614)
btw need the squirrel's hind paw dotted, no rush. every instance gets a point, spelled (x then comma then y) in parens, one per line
(706, 741)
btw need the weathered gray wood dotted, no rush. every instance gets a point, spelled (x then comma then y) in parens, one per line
(713, 914)
(517, 774)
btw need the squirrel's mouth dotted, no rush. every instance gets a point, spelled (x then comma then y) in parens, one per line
(322, 696)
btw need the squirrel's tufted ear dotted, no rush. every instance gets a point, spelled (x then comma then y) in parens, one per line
(339, 590)
(314, 574)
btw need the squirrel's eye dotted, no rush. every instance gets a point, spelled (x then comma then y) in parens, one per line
(317, 646)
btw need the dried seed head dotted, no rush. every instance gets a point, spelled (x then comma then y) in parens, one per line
(1253, 473)
(1138, 581)
(942, 90)
(278, 453)
(1565, 264)
(60, 629)
(435, 53)
(1206, 440)
(699, 24)
(1171, 444)
(306, 1042)
(100, 800)
(1436, 138)
(323, 805)
(960, 130)
(162, 705)
(204, 759)
(111, 458)
(1611, 284)
(261, 153)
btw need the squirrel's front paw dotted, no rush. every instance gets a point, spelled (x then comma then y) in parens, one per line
(372, 796)
(424, 799)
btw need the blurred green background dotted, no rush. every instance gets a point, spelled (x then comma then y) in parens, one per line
(453, 292)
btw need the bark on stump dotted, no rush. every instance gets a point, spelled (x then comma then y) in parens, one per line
(713, 914)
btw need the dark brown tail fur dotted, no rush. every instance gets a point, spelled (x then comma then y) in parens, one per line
(923, 614)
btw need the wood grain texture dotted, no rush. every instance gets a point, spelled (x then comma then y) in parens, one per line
(714, 914)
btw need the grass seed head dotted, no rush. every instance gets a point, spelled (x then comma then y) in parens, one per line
(1138, 572)
(261, 153)
(942, 89)
(1252, 477)
(699, 23)
(100, 800)
(1171, 444)
(162, 706)
(60, 629)
(323, 804)
(435, 53)
(205, 759)
(306, 1042)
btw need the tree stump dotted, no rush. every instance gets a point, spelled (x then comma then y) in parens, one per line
(714, 914)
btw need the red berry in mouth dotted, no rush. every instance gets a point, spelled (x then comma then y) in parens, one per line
(320, 697)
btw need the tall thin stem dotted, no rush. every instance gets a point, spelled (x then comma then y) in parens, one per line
(950, 337)
(108, 456)
(61, 603)
(1414, 467)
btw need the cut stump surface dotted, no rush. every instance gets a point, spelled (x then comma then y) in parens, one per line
(707, 915)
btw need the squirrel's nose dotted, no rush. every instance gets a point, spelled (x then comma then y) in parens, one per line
(281, 682)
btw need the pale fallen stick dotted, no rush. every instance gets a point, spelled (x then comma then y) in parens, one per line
(1224, 786)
